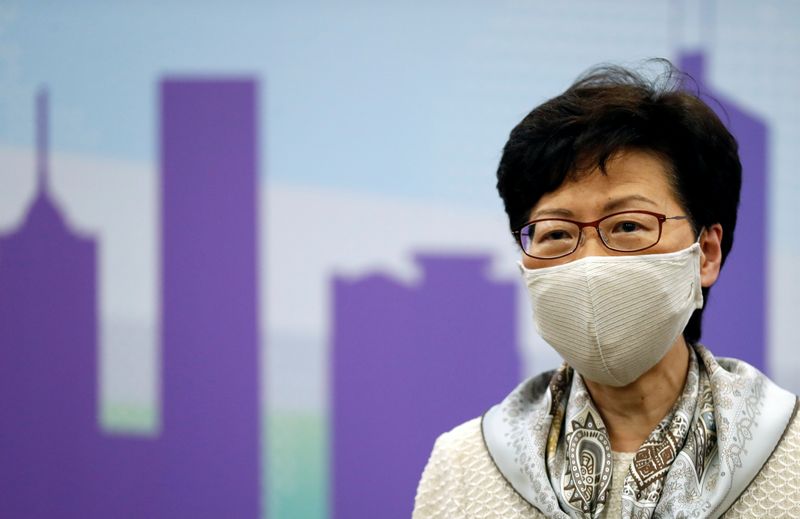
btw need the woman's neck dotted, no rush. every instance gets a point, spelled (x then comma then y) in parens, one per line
(632, 412)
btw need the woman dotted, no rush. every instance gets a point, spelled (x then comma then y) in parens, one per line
(622, 194)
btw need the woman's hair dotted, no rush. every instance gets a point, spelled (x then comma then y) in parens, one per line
(610, 109)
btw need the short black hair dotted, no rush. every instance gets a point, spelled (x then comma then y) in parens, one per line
(610, 109)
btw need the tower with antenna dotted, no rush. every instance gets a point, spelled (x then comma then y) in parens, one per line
(48, 345)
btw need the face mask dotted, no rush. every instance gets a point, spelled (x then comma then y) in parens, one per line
(612, 318)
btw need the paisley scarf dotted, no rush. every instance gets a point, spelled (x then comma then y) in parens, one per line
(549, 441)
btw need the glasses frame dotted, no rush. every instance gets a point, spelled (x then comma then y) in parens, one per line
(596, 225)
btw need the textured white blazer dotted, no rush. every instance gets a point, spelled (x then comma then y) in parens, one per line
(461, 481)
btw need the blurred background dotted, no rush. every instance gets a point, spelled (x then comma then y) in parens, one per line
(252, 260)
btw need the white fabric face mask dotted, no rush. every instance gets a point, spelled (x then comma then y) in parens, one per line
(612, 318)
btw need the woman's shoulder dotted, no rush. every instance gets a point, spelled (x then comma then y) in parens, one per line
(461, 480)
(465, 438)
(775, 491)
(460, 451)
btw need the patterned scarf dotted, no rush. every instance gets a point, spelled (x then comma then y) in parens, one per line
(580, 465)
(549, 441)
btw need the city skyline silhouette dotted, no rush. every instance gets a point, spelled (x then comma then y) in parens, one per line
(404, 358)
(55, 461)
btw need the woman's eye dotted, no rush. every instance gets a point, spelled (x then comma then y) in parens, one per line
(628, 227)
(557, 235)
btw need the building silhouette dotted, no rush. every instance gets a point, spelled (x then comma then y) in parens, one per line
(48, 350)
(410, 362)
(205, 463)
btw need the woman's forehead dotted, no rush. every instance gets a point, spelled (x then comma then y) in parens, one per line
(629, 180)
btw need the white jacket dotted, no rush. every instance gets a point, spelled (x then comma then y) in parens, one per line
(461, 481)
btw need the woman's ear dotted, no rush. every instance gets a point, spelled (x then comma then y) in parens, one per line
(711, 254)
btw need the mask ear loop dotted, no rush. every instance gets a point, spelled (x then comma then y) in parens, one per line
(701, 258)
(698, 231)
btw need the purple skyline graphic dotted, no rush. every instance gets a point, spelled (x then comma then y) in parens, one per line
(408, 363)
(205, 463)
(734, 324)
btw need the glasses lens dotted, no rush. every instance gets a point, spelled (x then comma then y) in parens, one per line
(549, 238)
(630, 231)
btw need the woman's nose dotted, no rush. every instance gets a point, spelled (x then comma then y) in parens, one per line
(591, 244)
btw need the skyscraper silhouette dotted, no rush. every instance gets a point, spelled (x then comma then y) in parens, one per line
(410, 362)
(209, 330)
(48, 350)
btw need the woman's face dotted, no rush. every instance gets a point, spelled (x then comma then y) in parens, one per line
(634, 180)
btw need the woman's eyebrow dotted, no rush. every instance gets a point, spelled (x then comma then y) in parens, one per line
(625, 200)
(611, 205)
(552, 212)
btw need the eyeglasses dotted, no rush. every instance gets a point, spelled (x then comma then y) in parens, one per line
(627, 231)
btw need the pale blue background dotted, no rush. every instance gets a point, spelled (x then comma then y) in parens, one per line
(373, 114)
